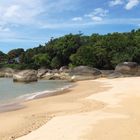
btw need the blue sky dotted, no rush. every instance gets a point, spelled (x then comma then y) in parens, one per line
(28, 23)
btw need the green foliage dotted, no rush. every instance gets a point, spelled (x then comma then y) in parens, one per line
(15, 53)
(42, 60)
(93, 56)
(55, 63)
(15, 66)
(100, 51)
(3, 57)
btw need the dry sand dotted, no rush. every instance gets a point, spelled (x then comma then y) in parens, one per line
(37, 112)
(103, 109)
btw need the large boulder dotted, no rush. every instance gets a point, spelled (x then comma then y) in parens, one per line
(48, 76)
(111, 74)
(106, 73)
(25, 76)
(128, 68)
(41, 72)
(85, 70)
(7, 72)
(84, 73)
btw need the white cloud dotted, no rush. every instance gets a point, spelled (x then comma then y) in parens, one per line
(17, 15)
(12, 11)
(77, 19)
(115, 2)
(84, 23)
(98, 14)
(131, 4)
(33, 12)
(4, 29)
(128, 4)
(19, 12)
(97, 19)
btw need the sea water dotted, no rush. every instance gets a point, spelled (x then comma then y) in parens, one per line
(10, 91)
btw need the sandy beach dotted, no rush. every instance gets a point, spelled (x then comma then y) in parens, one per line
(102, 109)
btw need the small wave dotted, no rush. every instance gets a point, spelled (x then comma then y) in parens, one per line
(31, 96)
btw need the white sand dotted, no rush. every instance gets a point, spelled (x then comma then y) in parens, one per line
(119, 119)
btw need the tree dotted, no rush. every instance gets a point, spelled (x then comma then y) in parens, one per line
(3, 57)
(42, 60)
(93, 56)
(55, 63)
(15, 53)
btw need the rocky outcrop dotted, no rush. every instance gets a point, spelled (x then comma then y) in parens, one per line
(64, 69)
(127, 68)
(106, 73)
(25, 76)
(111, 74)
(77, 74)
(84, 73)
(7, 72)
(56, 76)
(41, 72)
(85, 70)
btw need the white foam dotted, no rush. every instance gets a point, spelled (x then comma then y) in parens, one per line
(32, 96)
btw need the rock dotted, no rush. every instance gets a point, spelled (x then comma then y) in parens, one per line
(115, 75)
(106, 73)
(64, 69)
(128, 68)
(85, 70)
(25, 76)
(84, 73)
(41, 72)
(111, 74)
(48, 76)
(7, 72)
(138, 72)
(2, 74)
(54, 71)
(75, 78)
(56, 76)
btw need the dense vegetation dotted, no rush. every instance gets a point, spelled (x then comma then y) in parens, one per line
(100, 51)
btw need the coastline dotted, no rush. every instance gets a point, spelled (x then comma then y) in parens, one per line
(94, 109)
(37, 112)
(117, 118)
(17, 103)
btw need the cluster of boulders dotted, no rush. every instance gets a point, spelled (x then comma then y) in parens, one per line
(75, 74)
(7, 72)
(124, 69)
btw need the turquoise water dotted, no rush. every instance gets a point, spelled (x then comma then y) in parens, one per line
(13, 91)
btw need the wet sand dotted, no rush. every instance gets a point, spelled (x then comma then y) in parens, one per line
(36, 113)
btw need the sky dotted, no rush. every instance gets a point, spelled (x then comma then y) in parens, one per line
(28, 23)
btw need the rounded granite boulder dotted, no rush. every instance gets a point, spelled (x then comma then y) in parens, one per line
(84, 73)
(130, 68)
(25, 76)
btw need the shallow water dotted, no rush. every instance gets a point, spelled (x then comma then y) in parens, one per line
(13, 91)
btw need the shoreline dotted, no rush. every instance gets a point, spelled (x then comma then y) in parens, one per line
(38, 111)
(117, 118)
(93, 109)
(17, 103)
